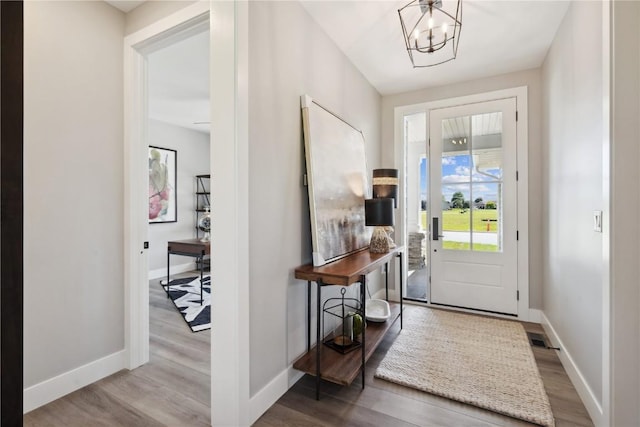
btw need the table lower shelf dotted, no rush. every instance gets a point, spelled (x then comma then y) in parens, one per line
(344, 368)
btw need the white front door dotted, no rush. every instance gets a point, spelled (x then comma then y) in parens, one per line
(473, 206)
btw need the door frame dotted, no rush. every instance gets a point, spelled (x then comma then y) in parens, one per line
(228, 24)
(522, 131)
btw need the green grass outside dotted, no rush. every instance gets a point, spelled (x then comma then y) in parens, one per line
(458, 220)
(463, 246)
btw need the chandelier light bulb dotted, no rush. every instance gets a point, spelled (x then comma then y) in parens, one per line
(416, 34)
(444, 29)
(430, 23)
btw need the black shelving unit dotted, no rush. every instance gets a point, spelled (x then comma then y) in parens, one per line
(203, 200)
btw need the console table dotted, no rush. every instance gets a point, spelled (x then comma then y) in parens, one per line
(325, 363)
(190, 247)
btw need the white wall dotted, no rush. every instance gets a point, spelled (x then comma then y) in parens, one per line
(151, 11)
(193, 159)
(529, 78)
(290, 56)
(73, 188)
(572, 188)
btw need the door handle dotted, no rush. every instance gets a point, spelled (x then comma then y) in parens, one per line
(435, 228)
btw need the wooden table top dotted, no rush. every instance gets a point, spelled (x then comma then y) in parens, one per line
(347, 270)
(194, 246)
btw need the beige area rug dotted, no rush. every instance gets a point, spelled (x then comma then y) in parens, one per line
(481, 361)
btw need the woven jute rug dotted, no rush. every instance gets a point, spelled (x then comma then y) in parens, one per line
(476, 360)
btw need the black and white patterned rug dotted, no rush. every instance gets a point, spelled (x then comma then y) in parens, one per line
(185, 294)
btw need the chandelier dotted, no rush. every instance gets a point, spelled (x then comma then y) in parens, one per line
(431, 30)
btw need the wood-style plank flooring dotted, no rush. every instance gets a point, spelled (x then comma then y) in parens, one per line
(382, 403)
(173, 389)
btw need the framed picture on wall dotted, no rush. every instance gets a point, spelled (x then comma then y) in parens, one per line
(163, 206)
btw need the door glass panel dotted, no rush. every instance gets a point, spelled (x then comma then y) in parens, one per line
(472, 182)
(456, 217)
(486, 219)
(487, 147)
(417, 174)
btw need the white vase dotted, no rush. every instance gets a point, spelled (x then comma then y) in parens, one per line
(204, 224)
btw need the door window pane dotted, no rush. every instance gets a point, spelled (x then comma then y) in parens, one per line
(487, 146)
(456, 217)
(472, 182)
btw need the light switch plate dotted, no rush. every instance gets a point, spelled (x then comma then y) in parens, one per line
(597, 221)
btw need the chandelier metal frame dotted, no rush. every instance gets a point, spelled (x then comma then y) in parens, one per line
(424, 39)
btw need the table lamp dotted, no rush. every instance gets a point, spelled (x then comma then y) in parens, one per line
(379, 213)
(385, 185)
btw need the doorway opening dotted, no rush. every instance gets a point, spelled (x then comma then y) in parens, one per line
(178, 136)
(178, 141)
(228, 23)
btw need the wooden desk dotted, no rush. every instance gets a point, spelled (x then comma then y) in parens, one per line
(329, 364)
(190, 247)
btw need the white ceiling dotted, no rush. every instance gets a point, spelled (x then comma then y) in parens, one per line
(178, 78)
(497, 37)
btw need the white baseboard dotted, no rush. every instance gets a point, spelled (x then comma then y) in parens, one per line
(160, 273)
(269, 394)
(575, 375)
(56, 387)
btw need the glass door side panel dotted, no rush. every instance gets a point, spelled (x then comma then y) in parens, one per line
(417, 202)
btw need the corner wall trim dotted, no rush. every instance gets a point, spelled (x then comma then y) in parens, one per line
(535, 316)
(269, 394)
(575, 375)
(68, 382)
(161, 273)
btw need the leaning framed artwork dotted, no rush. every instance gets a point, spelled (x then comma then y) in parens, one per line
(337, 183)
(163, 200)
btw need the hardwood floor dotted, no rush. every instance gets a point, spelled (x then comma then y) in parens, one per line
(173, 389)
(382, 403)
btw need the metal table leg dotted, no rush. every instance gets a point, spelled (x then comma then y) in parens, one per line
(168, 267)
(363, 293)
(201, 276)
(401, 286)
(318, 341)
(308, 315)
(386, 279)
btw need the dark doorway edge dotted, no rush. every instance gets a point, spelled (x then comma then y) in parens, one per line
(11, 212)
